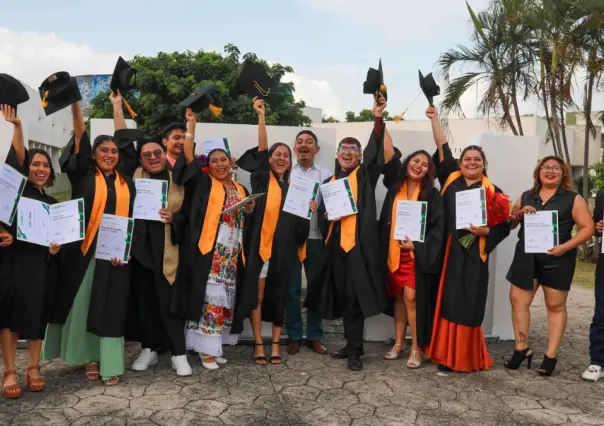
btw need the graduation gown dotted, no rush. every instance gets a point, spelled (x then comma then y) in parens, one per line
(148, 250)
(290, 234)
(109, 297)
(190, 287)
(329, 293)
(457, 337)
(427, 254)
(28, 273)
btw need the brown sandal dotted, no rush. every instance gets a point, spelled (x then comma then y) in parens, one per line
(92, 372)
(12, 391)
(112, 381)
(35, 384)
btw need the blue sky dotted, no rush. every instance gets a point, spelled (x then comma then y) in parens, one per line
(329, 43)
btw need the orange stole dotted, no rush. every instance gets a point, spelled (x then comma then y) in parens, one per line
(348, 227)
(122, 205)
(271, 216)
(486, 183)
(212, 217)
(394, 251)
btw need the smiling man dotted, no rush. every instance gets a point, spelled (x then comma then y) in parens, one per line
(173, 140)
(306, 148)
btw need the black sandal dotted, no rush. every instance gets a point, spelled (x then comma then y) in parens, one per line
(257, 359)
(276, 357)
(518, 358)
(547, 366)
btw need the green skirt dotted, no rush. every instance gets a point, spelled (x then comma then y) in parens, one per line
(73, 344)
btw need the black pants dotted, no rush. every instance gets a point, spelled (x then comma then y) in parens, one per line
(596, 331)
(347, 298)
(158, 328)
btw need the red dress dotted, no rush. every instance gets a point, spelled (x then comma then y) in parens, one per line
(404, 276)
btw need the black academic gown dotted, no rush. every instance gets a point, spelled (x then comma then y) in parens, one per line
(290, 234)
(427, 254)
(331, 293)
(109, 297)
(146, 265)
(194, 268)
(28, 274)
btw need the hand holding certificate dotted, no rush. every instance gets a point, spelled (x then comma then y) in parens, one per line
(242, 203)
(12, 184)
(299, 195)
(540, 231)
(50, 224)
(114, 239)
(411, 220)
(338, 199)
(151, 197)
(470, 208)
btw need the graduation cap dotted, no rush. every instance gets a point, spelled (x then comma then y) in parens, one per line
(429, 86)
(374, 82)
(254, 80)
(205, 97)
(58, 91)
(12, 92)
(123, 79)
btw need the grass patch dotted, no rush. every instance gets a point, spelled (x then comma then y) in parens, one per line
(585, 274)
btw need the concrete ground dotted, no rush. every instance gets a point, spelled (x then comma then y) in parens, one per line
(310, 389)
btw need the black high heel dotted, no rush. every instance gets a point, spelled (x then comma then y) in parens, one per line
(258, 359)
(518, 358)
(547, 366)
(275, 359)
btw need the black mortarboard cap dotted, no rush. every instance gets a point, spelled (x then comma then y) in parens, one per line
(58, 91)
(374, 82)
(203, 98)
(123, 78)
(429, 87)
(12, 92)
(254, 80)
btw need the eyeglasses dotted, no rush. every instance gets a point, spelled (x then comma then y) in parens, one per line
(555, 169)
(348, 148)
(147, 155)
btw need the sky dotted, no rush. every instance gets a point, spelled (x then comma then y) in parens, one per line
(330, 44)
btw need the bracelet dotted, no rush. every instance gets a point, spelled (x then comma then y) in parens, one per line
(189, 135)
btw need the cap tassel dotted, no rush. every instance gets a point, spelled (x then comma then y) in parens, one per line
(383, 88)
(261, 90)
(129, 108)
(216, 111)
(45, 100)
(399, 118)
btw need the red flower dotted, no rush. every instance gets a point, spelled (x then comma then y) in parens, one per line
(498, 208)
(205, 169)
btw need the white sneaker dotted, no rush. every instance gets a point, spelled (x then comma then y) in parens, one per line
(593, 373)
(181, 365)
(220, 360)
(210, 365)
(146, 359)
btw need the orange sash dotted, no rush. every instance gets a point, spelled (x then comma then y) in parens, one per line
(348, 226)
(122, 205)
(394, 251)
(271, 216)
(486, 183)
(212, 217)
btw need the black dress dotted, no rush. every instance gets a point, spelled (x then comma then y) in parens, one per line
(427, 254)
(551, 271)
(290, 234)
(28, 274)
(109, 297)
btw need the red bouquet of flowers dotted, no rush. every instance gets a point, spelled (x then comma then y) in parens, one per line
(498, 206)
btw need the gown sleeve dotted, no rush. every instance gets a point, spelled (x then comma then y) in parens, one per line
(189, 175)
(392, 172)
(11, 160)
(178, 227)
(128, 156)
(302, 231)
(429, 252)
(498, 233)
(256, 163)
(447, 166)
(76, 165)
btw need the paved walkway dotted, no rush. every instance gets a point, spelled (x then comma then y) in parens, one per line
(315, 390)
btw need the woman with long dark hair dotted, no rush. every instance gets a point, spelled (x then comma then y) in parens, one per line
(411, 266)
(553, 271)
(457, 341)
(28, 271)
(271, 242)
(89, 314)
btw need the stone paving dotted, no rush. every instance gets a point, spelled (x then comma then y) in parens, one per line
(310, 389)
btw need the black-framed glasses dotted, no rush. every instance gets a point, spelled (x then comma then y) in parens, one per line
(147, 155)
(555, 169)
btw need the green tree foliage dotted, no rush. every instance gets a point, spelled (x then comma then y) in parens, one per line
(330, 119)
(364, 115)
(164, 80)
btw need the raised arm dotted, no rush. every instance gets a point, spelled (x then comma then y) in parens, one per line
(119, 122)
(79, 126)
(437, 131)
(18, 141)
(378, 110)
(262, 135)
(189, 147)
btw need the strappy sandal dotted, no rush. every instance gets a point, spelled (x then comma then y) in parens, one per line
(275, 359)
(413, 362)
(392, 354)
(258, 359)
(112, 381)
(34, 384)
(92, 371)
(11, 391)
